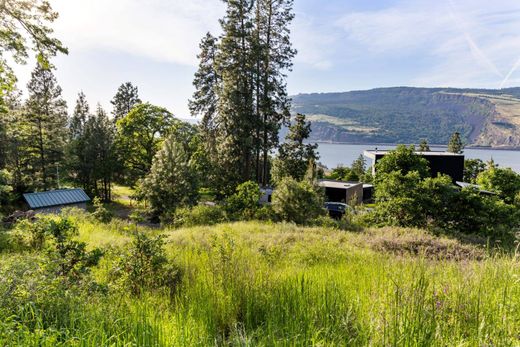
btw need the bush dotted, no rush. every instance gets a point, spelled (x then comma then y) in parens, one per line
(199, 215)
(266, 213)
(245, 202)
(101, 213)
(145, 266)
(298, 202)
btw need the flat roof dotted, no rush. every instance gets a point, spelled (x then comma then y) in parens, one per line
(371, 153)
(56, 198)
(337, 184)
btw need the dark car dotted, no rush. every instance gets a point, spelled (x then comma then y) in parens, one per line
(337, 209)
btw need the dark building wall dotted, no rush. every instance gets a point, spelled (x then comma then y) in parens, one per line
(345, 195)
(451, 165)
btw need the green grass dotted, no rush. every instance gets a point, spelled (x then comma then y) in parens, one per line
(255, 284)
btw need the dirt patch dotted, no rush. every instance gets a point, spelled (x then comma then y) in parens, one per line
(411, 242)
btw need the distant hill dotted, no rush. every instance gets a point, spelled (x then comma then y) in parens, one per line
(484, 117)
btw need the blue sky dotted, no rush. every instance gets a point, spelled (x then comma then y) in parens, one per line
(343, 45)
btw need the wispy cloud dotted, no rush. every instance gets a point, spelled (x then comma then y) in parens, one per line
(465, 42)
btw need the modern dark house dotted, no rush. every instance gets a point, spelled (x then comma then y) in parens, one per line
(53, 201)
(345, 192)
(451, 164)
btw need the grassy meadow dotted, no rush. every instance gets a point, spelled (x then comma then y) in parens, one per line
(259, 284)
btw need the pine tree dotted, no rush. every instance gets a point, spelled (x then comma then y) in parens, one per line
(455, 145)
(423, 146)
(206, 81)
(171, 182)
(126, 98)
(274, 54)
(235, 106)
(294, 155)
(46, 114)
(79, 117)
(241, 90)
(100, 157)
(79, 165)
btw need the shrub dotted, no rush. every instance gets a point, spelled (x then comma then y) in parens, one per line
(298, 202)
(199, 215)
(145, 266)
(266, 213)
(244, 203)
(101, 213)
(71, 257)
(504, 182)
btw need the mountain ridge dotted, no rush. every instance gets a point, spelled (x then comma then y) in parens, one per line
(484, 117)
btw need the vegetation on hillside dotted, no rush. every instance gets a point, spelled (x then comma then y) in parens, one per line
(254, 284)
(408, 115)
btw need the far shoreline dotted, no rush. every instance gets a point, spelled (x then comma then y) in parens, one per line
(505, 148)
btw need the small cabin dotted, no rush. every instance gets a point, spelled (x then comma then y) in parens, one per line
(344, 192)
(54, 201)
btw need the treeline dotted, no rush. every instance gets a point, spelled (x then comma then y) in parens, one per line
(240, 96)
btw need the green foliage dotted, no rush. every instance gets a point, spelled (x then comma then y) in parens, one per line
(455, 144)
(45, 129)
(294, 156)
(126, 98)
(298, 202)
(423, 146)
(240, 90)
(146, 267)
(172, 182)
(92, 154)
(5, 188)
(244, 203)
(259, 284)
(503, 181)
(139, 137)
(101, 213)
(199, 215)
(434, 203)
(472, 168)
(403, 159)
(25, 28)
(357, 172)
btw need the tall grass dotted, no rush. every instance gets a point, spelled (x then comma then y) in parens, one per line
(252, 284)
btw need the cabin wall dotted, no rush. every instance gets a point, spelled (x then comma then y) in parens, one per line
(58, 209)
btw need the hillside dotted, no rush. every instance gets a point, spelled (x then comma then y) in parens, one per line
(257, 284)
(407, 115)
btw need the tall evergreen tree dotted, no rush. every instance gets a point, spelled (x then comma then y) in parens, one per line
(274, 55)
(79, 117)
(126, 98)
(294, 156)
(455, 145)
(241, 90)
(99, 154)
(235, 107)
(206, 81)
(79, 164)
(46, 115)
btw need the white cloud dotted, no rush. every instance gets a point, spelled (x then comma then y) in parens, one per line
(162, 30)
(468, 42)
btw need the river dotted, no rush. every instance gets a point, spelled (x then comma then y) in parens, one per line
(332, 155)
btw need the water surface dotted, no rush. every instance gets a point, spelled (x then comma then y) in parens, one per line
(333, 155)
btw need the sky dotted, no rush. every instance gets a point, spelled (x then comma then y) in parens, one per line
(342, 45)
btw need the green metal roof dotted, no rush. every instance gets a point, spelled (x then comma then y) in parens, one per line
(56, 198)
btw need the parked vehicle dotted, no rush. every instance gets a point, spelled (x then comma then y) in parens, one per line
(337, 209)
